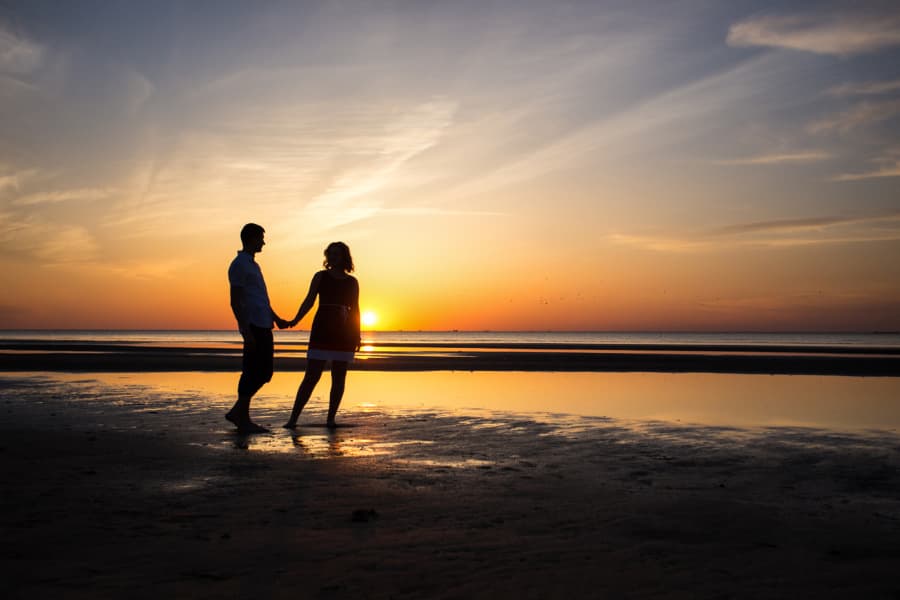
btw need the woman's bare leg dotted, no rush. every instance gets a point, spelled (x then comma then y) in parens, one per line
(338, 379)
(314, 370)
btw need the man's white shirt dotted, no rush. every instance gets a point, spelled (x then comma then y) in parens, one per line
(244, 273)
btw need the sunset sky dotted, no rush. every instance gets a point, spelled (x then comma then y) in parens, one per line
(695, 165)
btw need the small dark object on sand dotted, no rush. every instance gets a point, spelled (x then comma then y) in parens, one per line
(362, 515)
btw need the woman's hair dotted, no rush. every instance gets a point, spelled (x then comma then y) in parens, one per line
(344, 251)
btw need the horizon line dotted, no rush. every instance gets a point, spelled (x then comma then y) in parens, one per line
(594, 331)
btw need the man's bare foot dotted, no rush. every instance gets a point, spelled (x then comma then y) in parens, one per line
(290, 425)
(251, 427)
(331, 424)
(230, 416)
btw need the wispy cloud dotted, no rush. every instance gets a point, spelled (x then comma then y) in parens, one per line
(12, 181)
(17, 53)
(888, 171)
(134, 90)
(11, 86)
(663, 117)
(776, 159)
(774, 234)
(434, 211)
(286, 165)
(66, 244)
(142, 270)
(790, 306)
(864, 113)
(57, 196)
(47, 242)
(822, 34)
(798, 225)
(868, 88)
(885, 166)
(352, 197)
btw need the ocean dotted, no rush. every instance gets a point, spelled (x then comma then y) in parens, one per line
(470, 339)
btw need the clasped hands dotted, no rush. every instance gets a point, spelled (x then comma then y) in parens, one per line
(284, 323)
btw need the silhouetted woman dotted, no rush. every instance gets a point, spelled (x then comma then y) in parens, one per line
(335, 329)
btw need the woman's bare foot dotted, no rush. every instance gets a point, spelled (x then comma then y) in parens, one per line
(330, 424)
(290, 425)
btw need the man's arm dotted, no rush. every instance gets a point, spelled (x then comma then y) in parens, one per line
(282, 323)
(237, 307)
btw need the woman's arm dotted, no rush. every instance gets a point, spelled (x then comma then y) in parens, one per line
(309, 301)
(355, 316)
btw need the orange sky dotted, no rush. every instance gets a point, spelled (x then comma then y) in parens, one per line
(503, 167)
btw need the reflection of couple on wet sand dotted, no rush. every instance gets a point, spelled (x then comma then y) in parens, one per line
(335, 333)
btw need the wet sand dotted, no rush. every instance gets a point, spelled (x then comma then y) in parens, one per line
(112, 491)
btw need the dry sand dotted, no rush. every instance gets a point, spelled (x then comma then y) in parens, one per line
(107, 492)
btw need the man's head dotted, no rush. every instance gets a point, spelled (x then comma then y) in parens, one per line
(252, 238)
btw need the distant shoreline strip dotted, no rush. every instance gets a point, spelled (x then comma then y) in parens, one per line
(82, 346)
(686, 359)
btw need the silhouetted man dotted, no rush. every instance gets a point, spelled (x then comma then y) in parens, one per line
(254, 314)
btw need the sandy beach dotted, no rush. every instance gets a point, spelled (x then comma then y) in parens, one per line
(527, 300)
(114, 490)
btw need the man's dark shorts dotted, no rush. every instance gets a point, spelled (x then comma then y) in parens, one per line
(258, 363)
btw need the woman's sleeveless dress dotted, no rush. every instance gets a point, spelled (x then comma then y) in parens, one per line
(335, 329)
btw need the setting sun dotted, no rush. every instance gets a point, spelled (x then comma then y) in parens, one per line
(369, 318)
(701, 210)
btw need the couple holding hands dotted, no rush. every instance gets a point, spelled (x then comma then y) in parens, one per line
(334, 336)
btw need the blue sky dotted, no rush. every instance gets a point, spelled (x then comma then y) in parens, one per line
(682, 140)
